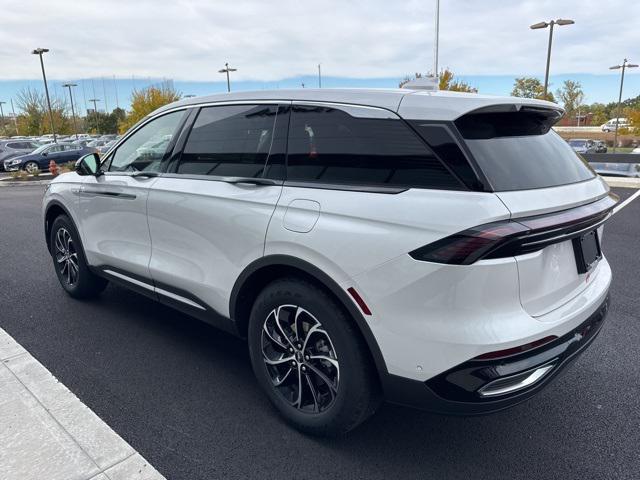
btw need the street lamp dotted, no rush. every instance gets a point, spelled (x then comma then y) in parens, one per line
(226, 70)
(537, 26)
(624, 66)
(2, 115)
(319, 77)
(73, 113)
(95, 112)
(39, 52)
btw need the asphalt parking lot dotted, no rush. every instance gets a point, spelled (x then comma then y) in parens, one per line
(183, 394)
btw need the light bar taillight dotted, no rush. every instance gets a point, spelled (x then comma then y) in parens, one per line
(509, 238)
(516, 350)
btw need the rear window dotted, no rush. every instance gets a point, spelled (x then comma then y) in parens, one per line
(517, 150)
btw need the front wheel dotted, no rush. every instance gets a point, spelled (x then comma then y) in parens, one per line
(69, 262)
(31, 168)
(310, 360)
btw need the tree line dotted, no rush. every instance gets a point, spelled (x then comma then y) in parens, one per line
(34, 119)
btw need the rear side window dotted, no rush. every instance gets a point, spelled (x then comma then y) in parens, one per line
(330, 146)
(517, 150)
(229, 141)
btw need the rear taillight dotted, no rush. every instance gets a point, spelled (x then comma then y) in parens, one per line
(510, 238)
(468, 246)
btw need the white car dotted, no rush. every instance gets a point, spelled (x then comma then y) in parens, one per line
(434, 249)
(610, 126)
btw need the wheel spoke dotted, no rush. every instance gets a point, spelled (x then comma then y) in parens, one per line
(272, 338)
(59, 241)
(298, 402)
(279, 381)
(325, 379)
(316, 406)
(277, 320)
(332, 361)
(279, 361)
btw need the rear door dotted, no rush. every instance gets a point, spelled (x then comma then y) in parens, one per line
(208, 214)
(534, 172)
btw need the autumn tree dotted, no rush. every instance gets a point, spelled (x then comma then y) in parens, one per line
(145, 101)
(34, 119)
(530, 87)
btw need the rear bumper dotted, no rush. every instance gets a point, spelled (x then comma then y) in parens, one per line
(458, 391)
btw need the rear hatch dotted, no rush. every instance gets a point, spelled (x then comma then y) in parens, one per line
(550, 190)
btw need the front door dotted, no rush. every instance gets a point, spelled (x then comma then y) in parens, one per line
(113, 206)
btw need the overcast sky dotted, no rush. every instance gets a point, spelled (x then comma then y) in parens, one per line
(269, 40)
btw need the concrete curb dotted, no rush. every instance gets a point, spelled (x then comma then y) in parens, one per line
(47, 432)
(622, 182)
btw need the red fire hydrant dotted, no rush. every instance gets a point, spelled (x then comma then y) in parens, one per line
(53, 168)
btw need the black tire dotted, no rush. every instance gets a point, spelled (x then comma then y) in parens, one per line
(317, 411)
(70, 263)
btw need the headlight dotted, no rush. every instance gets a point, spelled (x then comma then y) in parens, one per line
(15, 162)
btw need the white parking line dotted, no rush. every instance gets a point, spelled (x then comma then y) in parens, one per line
(626, 202)
(47, 432)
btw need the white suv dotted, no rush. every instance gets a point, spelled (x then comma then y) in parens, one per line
(434, 249)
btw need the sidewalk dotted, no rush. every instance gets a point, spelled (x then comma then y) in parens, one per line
(46, 432)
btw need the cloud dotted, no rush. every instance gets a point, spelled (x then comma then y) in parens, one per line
(271, 40)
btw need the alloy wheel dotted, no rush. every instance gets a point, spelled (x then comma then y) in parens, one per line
(31, 167)
(300, 358)
(66, 257)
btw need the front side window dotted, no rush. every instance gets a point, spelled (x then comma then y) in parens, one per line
(329, 145)
(145, 149)
(229, 141)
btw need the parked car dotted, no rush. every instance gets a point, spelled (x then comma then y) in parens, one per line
(616, 169)
(601, 147)
(39, 159)
(13, 148)
(105, 148)
(610, 126)
(438, 249)
(581, 145)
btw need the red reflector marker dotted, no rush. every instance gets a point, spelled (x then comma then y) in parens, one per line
(356, 296)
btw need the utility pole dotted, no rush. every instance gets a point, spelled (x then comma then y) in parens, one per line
(319, 77)
(39, 52)
(115, 86)
(624, 66)
(95, 112)
(73, 113)
(226, 70)
(436, 41)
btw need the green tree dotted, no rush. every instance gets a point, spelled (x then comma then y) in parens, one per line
(530, 87)
(571, 96)
(145, 101)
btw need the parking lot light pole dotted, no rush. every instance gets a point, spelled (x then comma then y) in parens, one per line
(39, 52)
(2, 115)
(624, 66)
(95, 112)
(319, 77)
(550, 24)
(73, 113)
(226, 70)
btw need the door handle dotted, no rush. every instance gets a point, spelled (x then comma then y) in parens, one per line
(252, 180)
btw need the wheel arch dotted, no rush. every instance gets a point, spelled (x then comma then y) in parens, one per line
(266, 269)
(54, 210)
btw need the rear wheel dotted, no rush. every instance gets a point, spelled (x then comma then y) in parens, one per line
(69, 261)
(310, 360)
(31, 167)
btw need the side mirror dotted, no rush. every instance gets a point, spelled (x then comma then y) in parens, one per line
(89, 165)
(44, 154)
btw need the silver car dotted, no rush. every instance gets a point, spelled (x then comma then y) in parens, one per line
(14, 148)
